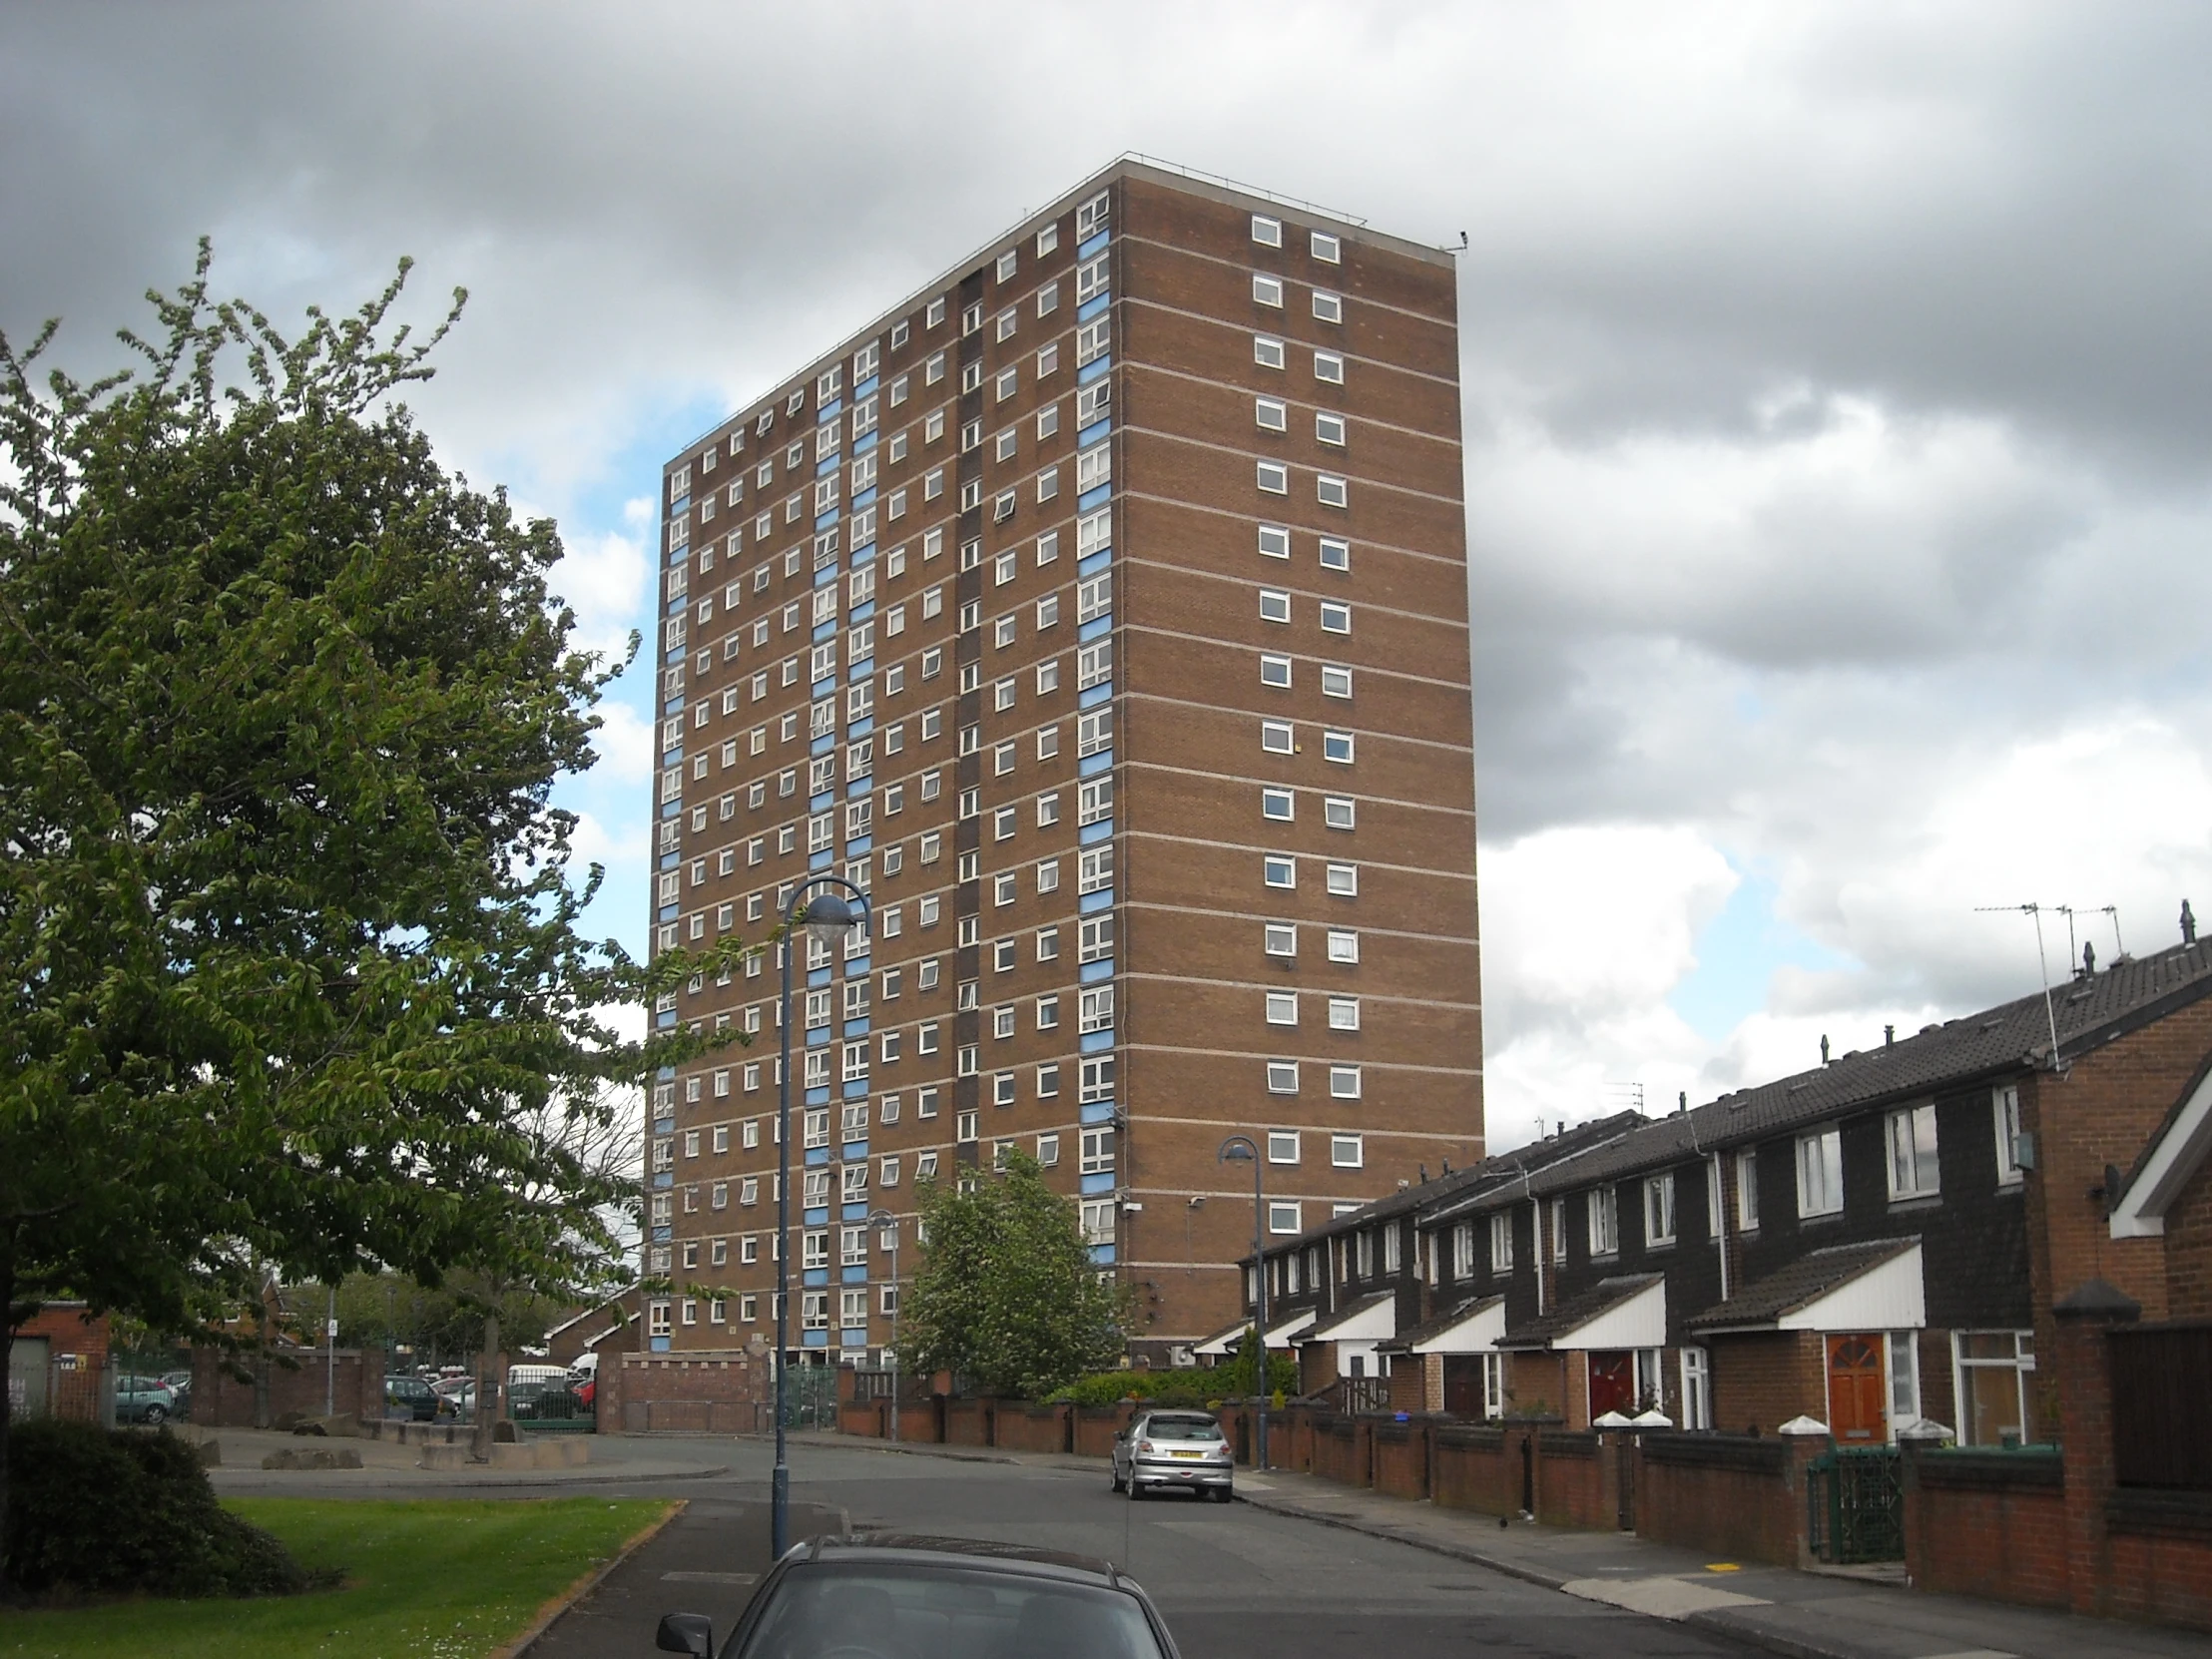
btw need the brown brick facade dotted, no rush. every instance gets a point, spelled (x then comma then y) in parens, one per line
(1032, 727)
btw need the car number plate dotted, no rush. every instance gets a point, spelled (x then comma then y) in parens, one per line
(1190, 1454)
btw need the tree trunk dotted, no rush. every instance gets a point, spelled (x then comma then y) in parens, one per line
(7, 1362)
(260, 1368)
(488, 1391)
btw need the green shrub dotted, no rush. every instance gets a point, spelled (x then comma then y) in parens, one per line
(1176, 1388)
(108, 1512)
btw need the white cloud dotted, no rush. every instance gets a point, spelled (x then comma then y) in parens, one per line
(625, 744)
(607, 579)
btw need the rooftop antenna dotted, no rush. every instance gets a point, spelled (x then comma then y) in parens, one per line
(2042, 962)
(2113, 911)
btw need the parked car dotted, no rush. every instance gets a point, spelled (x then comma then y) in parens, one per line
(144, 1399)
(414, 1399)
(886, 1594)
(544, 1401)
(1166, 1449)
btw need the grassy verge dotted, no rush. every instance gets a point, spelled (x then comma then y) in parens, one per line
(433, 1579)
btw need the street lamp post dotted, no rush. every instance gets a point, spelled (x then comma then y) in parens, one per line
(824, 916)
(884, 1222)
(1235, 1150)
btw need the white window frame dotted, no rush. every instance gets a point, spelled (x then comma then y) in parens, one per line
(1820, 1172)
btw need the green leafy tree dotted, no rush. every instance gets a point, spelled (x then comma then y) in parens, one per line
(294, 981)
(1006, 1294)
(1233, 1378)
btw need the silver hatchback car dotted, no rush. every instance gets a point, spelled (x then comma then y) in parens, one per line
(1166, 1449)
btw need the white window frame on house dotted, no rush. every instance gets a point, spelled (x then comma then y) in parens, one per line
(1909, 1140)
(1697, 1390)
(2020, 1362)
(1267, 230)
(2004, 1106)
(1278, 869)
(1270, 414)
(1501, 1242)
(1344, 1082)
(1283, 1146)
(1659, 1217)
(1284, 1217)
(1820, 1172)
(1282, 1007)
(1349, 1152)
(1601, 1208)
(1266, 289)
(1278, 939)
(1558, 1218)
(1746, 1190)
(1282, 1076)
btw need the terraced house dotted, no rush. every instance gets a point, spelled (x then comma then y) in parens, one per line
(1101, 612)
(1874, 1243)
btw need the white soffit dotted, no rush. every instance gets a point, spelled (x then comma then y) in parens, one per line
(1225, 1341)
(2177, 1156)
(1375, 1324)
(1478, 1332)
(1280, 1335)
(1887, 1296)
(1640, 1322)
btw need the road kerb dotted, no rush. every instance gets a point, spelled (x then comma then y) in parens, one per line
(591, 1581)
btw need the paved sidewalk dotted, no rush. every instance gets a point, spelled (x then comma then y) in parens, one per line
(1803, 1615)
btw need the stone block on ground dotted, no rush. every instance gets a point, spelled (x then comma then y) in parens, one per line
(444, 1457)
(319, 1458)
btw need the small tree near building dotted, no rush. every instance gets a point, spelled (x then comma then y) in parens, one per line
(1006, 1294)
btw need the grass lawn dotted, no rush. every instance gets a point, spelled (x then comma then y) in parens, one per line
(437, 1579)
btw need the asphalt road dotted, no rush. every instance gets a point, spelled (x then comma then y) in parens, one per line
(1233, 1582)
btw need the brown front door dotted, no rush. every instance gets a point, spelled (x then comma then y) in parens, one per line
(1856, 1413)
(1463, 1386)
(1612, 1384)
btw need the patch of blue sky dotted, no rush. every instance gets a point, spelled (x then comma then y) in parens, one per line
(1736, 956)
(590, 507)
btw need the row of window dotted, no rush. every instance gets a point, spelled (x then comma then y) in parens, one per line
(1911, 1165)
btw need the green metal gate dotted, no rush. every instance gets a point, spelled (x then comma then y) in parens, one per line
(810, 1400)
(1855, 1505)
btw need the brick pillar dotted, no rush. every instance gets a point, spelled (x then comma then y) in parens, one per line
(1432, 1381)
(1808, 1439)
(2086, 1434)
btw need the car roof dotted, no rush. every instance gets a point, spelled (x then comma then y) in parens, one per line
(925, 1549)
(1183, 1414)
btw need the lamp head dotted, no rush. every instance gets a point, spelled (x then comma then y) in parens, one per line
(827, 914)
(1236, 1150)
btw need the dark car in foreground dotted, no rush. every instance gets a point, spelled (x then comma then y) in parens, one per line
(900, 1597)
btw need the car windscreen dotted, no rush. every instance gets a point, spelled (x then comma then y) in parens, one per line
(1183, 1428)
(888, 1611)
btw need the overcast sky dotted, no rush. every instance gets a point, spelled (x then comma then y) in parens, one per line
(1838, 392)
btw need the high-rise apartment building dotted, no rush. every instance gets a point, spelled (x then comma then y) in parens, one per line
(1101, 611)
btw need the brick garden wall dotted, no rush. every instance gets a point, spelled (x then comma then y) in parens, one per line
(297, 1380)
(1572, 1488)
(1401, 1457)
(704, 1391)
(1988, 1523)
(1725, 1495)
(1480, 1468)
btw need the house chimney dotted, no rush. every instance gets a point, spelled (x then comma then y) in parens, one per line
(1889, 1036)
(1824, 1048)
(2089, 961)
(2188, 923)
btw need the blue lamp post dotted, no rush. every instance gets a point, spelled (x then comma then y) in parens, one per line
(817, 911)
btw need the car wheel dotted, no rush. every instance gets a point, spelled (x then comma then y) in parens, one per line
(1113, 1473)
(155, 1415)
(1136, 1493)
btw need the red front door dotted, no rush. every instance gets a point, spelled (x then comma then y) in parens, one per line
(1856, 1412)
(1612, 1384)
